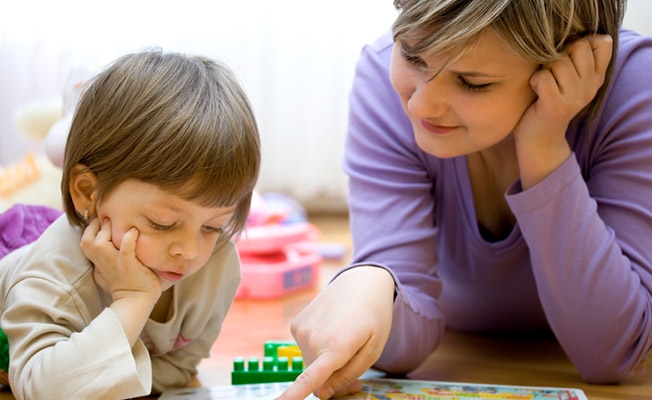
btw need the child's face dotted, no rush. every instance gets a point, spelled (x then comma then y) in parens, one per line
(176, 237)
(470, 105)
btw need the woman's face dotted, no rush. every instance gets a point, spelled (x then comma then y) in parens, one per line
(470, 105)
(176, 237)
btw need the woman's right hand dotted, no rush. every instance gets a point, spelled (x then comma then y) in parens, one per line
(342, 333)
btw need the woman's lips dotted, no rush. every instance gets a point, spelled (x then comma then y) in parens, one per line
(437, 129)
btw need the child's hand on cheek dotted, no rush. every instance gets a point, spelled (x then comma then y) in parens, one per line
(118, 271)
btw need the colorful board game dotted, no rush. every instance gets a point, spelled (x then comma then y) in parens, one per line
(386, 389)
(390, 389)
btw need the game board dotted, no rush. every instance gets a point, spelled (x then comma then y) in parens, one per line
(390, 389)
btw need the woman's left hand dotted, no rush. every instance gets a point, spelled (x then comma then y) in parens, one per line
(563, 88)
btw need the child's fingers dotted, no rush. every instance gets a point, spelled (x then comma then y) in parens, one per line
(89, 234)
(128, 248)
(129, 239)
(104, 235)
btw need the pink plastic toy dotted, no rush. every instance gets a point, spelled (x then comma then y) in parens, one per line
(279, 252)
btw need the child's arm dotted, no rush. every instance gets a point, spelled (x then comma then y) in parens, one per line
(133, 287)
(65, 350)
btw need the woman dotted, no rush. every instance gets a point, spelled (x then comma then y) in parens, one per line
(500, 179)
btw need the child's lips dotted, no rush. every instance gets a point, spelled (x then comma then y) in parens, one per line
(170, 276)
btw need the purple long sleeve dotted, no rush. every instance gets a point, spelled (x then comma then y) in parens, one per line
(578, 261)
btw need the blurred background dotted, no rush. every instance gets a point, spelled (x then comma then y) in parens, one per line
(295, 59)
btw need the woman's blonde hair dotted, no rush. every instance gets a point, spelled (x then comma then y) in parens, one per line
(538, 30)
(178, 122)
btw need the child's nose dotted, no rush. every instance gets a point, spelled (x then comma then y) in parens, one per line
(186, 246)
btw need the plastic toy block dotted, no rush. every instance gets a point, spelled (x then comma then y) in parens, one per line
(4, 359)
(289, 351)
(18, 174)
(281, 348)
(273, 370)
(277, 366)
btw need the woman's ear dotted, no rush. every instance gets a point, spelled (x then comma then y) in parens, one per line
(83, 189)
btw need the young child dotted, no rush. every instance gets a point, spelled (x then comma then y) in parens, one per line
(500, 163)
(125, 293)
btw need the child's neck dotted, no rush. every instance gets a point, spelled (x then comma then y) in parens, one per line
(161, 310)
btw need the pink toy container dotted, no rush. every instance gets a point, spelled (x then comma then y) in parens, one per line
(277, 260)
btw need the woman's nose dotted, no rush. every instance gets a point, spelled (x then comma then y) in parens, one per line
(429, 99)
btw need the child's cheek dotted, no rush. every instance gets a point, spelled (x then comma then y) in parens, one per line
(146, 250)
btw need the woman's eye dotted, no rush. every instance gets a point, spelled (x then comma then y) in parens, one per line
(414, 60)
(473, 87)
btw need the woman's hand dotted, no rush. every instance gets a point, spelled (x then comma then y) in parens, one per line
(342, 333)
(563, 89)
(118, 271)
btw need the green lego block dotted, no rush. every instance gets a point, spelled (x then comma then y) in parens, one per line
(4, 359)
(273, 370)
(4, 351)
(275, 367)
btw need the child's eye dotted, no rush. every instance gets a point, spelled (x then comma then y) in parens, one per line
(212, 229)
(472, 87)
(160, 227)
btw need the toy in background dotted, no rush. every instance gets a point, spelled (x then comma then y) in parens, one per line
(35, 118)
(33, 121)
(55, 140)
(46, 121)
(282, 362)
(279, 249)
(19, 174)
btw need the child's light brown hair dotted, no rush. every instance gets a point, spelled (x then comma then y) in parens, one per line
(178, 122)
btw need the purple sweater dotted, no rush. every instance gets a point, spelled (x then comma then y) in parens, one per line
(22, 224)
(578, 261)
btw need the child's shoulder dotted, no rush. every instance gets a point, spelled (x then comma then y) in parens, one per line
(55, 257)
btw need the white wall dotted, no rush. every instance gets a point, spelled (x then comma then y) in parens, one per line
(639, 16)
(295, 59)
